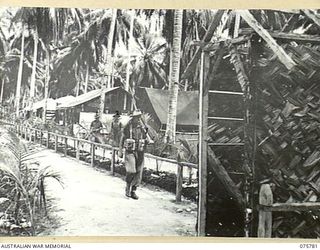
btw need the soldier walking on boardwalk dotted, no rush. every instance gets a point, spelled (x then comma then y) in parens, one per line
(134, 140)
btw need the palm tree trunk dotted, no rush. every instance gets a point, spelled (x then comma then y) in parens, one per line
(46, 87)
(34, 68)
(2, 89)
(108, 59)
(20, 71)
(170, 68)
(173, 95)
(87, 79)
(78, 80)
(129, 58)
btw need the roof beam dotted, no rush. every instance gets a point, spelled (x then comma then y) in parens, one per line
(265, 35)
(239, 67)
(286, 36)
(296, 12)
(314, 17)
(207, 37)
(295, 37)
(212, 46)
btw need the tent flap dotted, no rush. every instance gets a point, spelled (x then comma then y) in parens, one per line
(187, 108)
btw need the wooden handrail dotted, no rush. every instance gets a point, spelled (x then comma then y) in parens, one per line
(106, 146)
(24, 130)
(289, 207)
(266, 207)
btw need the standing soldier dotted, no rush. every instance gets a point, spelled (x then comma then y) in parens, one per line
(95, 128)
(134, 140)
(116, 129)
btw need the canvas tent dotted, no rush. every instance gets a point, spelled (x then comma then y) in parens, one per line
(155, 102)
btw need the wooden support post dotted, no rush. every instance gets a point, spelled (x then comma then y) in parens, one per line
(113, 161)
(92, 154)
(65, 146)
(56, 143)
(48, 139)
(179, 182)
(265, 218)
(77, 150)
(203, 145)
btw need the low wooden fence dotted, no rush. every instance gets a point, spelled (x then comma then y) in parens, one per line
(91, 150)
(266, 207)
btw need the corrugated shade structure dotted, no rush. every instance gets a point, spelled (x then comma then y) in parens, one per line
(65, 99)
(51, 104)
(81, 99)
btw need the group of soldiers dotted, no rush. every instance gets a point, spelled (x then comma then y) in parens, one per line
(132, 140)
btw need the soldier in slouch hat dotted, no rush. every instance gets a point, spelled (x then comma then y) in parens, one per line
(134, 141)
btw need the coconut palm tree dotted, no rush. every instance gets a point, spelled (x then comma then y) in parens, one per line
(20, 70)
(3, 52)
(147, 61)
(48, 26)
(176, 54)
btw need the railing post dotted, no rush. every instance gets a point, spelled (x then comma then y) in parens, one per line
(78, 149)
(65, 146)
(40, 137)
(113, 161)
(56, 142)
(30, 135)
(35, 136)
(48, 139)
(179, 182)
(190, 175)
(92, 154)
(265, 217)
(157, 166)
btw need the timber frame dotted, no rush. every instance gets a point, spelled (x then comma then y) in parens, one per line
(206, 154)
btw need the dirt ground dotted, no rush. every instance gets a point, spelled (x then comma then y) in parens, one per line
(92, 203)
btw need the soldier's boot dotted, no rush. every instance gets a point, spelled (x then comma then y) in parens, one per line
(133, 193)
(128, 192)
